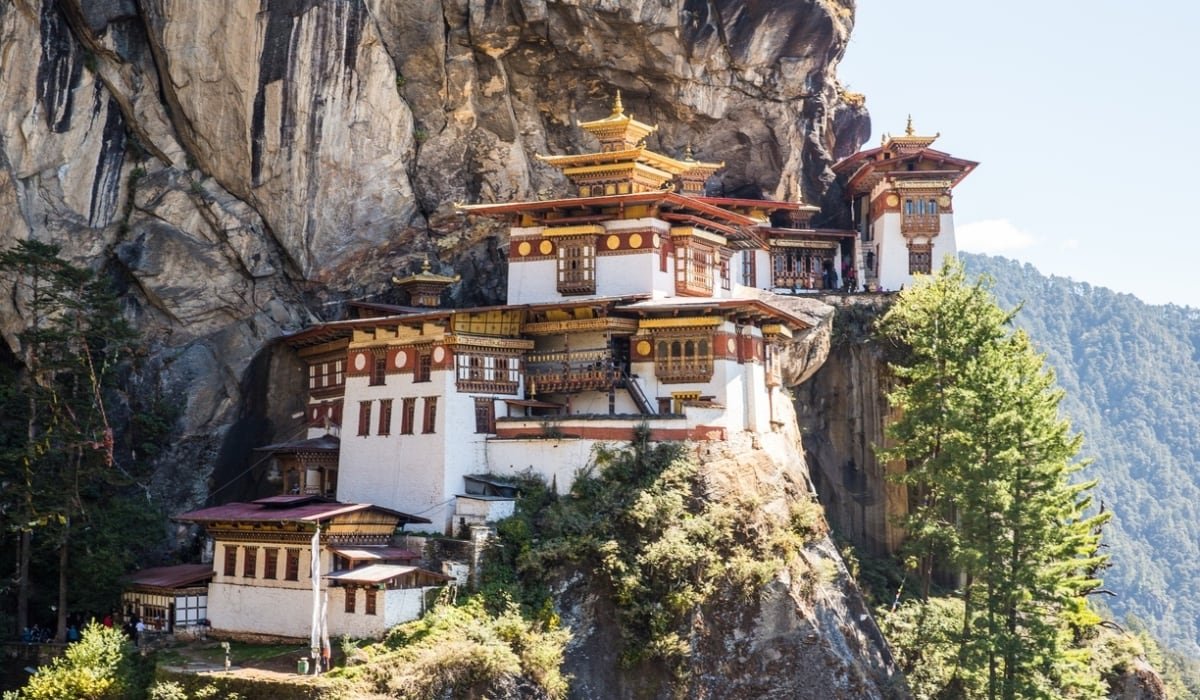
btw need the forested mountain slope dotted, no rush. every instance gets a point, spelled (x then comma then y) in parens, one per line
(1132, 376)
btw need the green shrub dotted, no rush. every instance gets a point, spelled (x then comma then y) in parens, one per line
(97, 667)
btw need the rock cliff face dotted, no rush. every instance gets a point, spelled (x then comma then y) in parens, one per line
(243, 166)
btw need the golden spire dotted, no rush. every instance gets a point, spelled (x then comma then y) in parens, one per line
(618, 108)
(688, 154)
(425, 267)
(908, 130)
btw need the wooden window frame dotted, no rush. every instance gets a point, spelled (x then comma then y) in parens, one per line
(385, 417)
(364, 418)
(230, 568)
(369, 607)
(575, 265)
(408, 415)
(920, 259)
(291, 571)
(429, 416)
(487, 372)
(270, 562)
(683, 357)
(423, 371)
(485, 415)
(695, 265)
(379, 370)
(749, 273)
(250, 562)
(351, 595)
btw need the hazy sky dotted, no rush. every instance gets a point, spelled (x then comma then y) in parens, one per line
(1083, 116)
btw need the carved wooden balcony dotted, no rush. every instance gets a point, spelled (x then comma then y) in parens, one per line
(920, 223)
(569, 371)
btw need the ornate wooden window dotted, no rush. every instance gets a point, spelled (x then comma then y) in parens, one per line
(799, 268)
(385, 417)
(351, 594)
(329, 374)
(480, 371)
(370, 594)
(920, 215)
(408, 413)
(429, 425)
(364, 417)
(694, 265)
(485, 415)
(291, 570)
(683, 358)
(270, 562)
(250, 562)
(577, 265)
(726, 281)
(230, 560)
(920, 259)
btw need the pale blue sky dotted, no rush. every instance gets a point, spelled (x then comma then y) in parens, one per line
(1083, 116)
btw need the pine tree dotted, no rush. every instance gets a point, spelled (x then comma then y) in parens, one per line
(73, 341)
(990, 466)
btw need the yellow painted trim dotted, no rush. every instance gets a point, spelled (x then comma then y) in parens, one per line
(580, 230)
(700, 233)
(777, 329)
(688, 322)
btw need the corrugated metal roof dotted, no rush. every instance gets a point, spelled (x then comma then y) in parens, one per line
(178, 576)
(375, 553)
(325, 443)
(380, 573)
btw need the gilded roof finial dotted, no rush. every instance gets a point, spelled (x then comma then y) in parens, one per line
(908, 130)
(425, 267)
(688, 153)
(618, 108)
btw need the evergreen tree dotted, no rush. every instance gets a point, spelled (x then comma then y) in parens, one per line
(74, 338)
(990, 467)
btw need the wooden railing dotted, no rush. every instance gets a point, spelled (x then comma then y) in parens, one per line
(570, 371)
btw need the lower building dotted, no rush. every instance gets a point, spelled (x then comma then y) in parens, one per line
(278, 558)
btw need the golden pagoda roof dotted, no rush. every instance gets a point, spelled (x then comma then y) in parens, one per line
(910, 141)
(618, 125)
(640, 154)
(425, 276)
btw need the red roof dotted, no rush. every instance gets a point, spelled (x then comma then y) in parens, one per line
(287, 509)
(178, 576)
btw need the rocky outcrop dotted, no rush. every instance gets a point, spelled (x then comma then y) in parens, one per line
(243, 166)
(808, 634)
(842, 411)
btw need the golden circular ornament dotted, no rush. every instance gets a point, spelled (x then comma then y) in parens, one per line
(613, 242)
(524, 248)
(643, 347)
(893, 200)
(635, 240)
(545, 247)
(944, 201)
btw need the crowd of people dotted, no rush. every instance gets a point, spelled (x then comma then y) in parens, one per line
(133, 627)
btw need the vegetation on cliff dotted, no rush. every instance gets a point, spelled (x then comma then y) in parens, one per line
(990, 466)
(647, 529)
